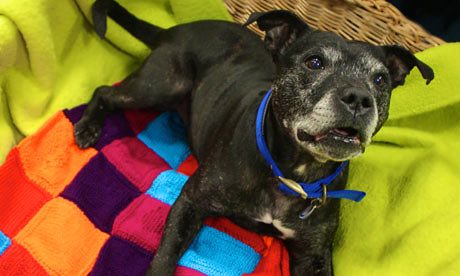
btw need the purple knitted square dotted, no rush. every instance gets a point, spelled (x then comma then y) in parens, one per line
(115, 125)
(121, 257)
(101, 192)
(75, 113)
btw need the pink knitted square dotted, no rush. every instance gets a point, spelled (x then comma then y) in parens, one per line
(142, 222)
(139, 164)
(186, 271)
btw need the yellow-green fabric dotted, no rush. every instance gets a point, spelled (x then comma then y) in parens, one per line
(409, 222)
(50, 57)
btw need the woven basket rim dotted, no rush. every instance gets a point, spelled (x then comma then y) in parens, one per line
(374, 21)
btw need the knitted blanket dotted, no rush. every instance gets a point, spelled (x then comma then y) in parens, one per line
(67, 211)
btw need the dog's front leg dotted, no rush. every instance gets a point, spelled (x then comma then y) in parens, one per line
(307, 260)
(183, 223)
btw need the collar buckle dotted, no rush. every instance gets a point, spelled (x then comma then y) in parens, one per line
(294, 186)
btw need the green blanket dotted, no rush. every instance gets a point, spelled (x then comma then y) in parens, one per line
(50, 57)
(409, 223)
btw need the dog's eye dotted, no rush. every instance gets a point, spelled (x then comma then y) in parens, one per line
(315, 63)
(379, 80)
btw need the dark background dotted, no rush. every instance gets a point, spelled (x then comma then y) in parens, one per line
(439, 17)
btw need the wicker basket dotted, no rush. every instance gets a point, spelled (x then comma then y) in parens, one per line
(374, 21)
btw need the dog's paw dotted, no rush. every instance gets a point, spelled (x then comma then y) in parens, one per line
(86, 134)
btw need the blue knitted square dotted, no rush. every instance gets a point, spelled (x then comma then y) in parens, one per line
(167, 136)
(5, 242)
(216, 253)
(167, 186)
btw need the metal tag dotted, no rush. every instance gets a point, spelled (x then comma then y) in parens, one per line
(307, 212)
(310, 209)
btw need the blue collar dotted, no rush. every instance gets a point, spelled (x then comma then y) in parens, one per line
(316, 189)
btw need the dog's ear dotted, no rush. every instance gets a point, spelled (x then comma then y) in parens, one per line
(400, 62)
(281, 29)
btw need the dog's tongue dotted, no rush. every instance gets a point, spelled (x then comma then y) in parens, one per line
(320, 137)
(341, 132)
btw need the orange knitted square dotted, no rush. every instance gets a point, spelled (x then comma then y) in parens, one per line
(62, 239)
(18, 261)
(20, 199)
(50, 157)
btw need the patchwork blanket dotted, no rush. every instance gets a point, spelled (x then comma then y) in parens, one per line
(101, 211)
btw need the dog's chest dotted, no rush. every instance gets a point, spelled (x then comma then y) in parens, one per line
(267, 218)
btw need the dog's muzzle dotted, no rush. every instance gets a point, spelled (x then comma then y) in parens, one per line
(340, 125)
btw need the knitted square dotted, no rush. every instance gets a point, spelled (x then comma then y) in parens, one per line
(101, 192)
(139, 119)
(167, 136)
(5, 242)
(121, 257)
(51, 151)
(74, 114)
(115, 126)
(216, 253)
(189, 166)
(20, 199)
(167, 186)
(186, 271)
(62, 239)
(139, 164)
(142, 222)
(18, 261)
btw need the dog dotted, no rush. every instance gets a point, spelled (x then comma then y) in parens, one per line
(326, 98)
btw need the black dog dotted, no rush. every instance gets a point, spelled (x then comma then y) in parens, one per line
(329, 96)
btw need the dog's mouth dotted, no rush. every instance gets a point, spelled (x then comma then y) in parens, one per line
(347, 135)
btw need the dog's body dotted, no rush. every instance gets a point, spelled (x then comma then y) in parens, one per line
(215, 75)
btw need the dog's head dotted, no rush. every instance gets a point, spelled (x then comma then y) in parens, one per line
(331, 95)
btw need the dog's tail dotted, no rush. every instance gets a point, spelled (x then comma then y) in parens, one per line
(140, 29)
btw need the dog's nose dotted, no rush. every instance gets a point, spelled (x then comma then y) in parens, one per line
(357, 101)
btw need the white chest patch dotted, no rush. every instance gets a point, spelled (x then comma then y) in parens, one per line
(268, 219)
(287, 233)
